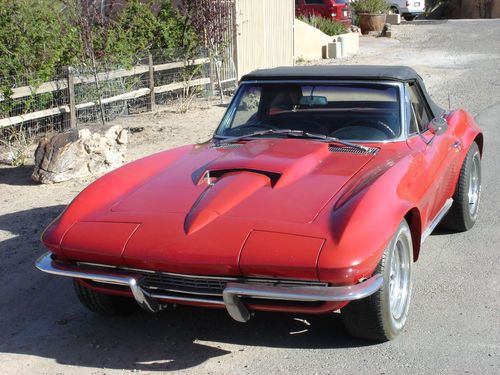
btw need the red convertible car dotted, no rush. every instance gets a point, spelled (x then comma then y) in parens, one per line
(315, 194)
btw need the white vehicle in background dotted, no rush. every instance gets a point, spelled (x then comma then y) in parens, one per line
(409, 9)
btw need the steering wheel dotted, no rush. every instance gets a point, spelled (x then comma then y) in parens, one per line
(310, 126)
(374, 124)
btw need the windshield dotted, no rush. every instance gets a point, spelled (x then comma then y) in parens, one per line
(348, 111)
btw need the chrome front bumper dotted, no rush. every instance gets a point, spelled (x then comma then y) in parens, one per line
(230, 296)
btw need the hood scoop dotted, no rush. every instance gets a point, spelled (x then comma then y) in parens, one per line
(221, 196)
(209, 177)
(353, 150)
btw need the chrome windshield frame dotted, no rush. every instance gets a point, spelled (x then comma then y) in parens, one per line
(403, 103)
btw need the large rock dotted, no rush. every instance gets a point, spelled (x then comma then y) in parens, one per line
(79, 153)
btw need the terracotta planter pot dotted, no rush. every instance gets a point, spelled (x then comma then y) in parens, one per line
(371, 22)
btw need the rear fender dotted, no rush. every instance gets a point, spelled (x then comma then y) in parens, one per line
(466, 131)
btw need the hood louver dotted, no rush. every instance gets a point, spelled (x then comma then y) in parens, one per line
(353, 150)
(226, 145)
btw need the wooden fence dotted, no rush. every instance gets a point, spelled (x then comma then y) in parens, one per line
(70, 80)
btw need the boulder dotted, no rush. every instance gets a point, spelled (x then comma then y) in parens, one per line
(79, 153)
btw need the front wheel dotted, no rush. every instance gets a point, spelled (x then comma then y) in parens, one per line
(382, 316)
(104, 304)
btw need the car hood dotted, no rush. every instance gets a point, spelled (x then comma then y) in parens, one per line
(275, 179)
(229, 210)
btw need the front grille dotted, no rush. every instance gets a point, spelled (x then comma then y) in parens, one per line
(209, 286)
(353, 150)
(183, 284)
(194, 285)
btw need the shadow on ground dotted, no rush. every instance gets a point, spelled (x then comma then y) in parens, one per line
(40, 316)
(180, 338)
(18, 176)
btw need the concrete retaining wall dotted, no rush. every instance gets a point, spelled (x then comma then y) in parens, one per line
(313, 44)
(310, 42)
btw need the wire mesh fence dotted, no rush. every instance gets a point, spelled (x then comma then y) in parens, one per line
(81, 95)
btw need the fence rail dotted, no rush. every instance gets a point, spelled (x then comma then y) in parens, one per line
(67, 84)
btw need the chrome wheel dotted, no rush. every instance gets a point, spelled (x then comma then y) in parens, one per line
(382, 316)
(474, 185)
(399, 278)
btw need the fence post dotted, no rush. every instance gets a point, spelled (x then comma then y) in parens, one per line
(71, 97)
(151, 104)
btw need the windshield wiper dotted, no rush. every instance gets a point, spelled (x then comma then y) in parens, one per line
(293, 133)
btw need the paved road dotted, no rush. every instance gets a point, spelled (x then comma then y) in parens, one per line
(454, 319)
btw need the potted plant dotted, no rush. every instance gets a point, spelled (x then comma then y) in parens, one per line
(371, 14)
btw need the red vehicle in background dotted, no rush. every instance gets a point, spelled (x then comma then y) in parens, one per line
(336, 10)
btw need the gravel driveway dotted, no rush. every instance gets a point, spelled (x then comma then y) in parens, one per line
(454, 324)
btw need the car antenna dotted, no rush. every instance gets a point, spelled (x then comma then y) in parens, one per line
(449, 102)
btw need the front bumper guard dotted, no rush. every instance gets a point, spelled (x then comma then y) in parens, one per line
(230, 296)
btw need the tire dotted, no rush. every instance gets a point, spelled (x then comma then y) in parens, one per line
(382, 316)
(463, 212)
(395, 9)
(409, 17)
(104, 304)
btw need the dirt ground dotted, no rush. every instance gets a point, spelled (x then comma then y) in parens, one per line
(454, 322)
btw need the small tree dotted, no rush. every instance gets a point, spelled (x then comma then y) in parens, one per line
(210, 19)
(133, 32)
(174, 36)
(29, 51)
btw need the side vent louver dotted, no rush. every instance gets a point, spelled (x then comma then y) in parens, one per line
(353, 150)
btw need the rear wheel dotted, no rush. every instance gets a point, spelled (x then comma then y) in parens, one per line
(463, 213)
(382, 316)
(103, 303)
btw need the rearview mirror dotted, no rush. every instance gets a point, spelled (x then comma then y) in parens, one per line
(312, 101)
(438, 126)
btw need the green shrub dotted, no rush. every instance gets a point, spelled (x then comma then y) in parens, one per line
(370, 6)
(329, 27)
(36, 38)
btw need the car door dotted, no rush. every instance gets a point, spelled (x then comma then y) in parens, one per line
(437, 156)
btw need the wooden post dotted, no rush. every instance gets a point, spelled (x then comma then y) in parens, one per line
(71, 97)
(151, 104)
(219, 83)
(211, 75)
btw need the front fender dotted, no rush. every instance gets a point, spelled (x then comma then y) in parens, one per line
(363, 221)
(105, 191)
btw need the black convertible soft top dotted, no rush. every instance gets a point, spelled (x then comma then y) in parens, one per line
(345, 72)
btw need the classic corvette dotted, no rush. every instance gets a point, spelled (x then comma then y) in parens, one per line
(315, 194)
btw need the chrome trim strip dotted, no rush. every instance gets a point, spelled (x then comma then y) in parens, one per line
(444, 210)
(187, 299)
(231, 294)
(238, 311)
(46, 264)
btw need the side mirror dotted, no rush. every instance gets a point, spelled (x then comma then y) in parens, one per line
(438, 126)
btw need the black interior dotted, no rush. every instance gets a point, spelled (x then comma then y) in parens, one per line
(367, 121)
